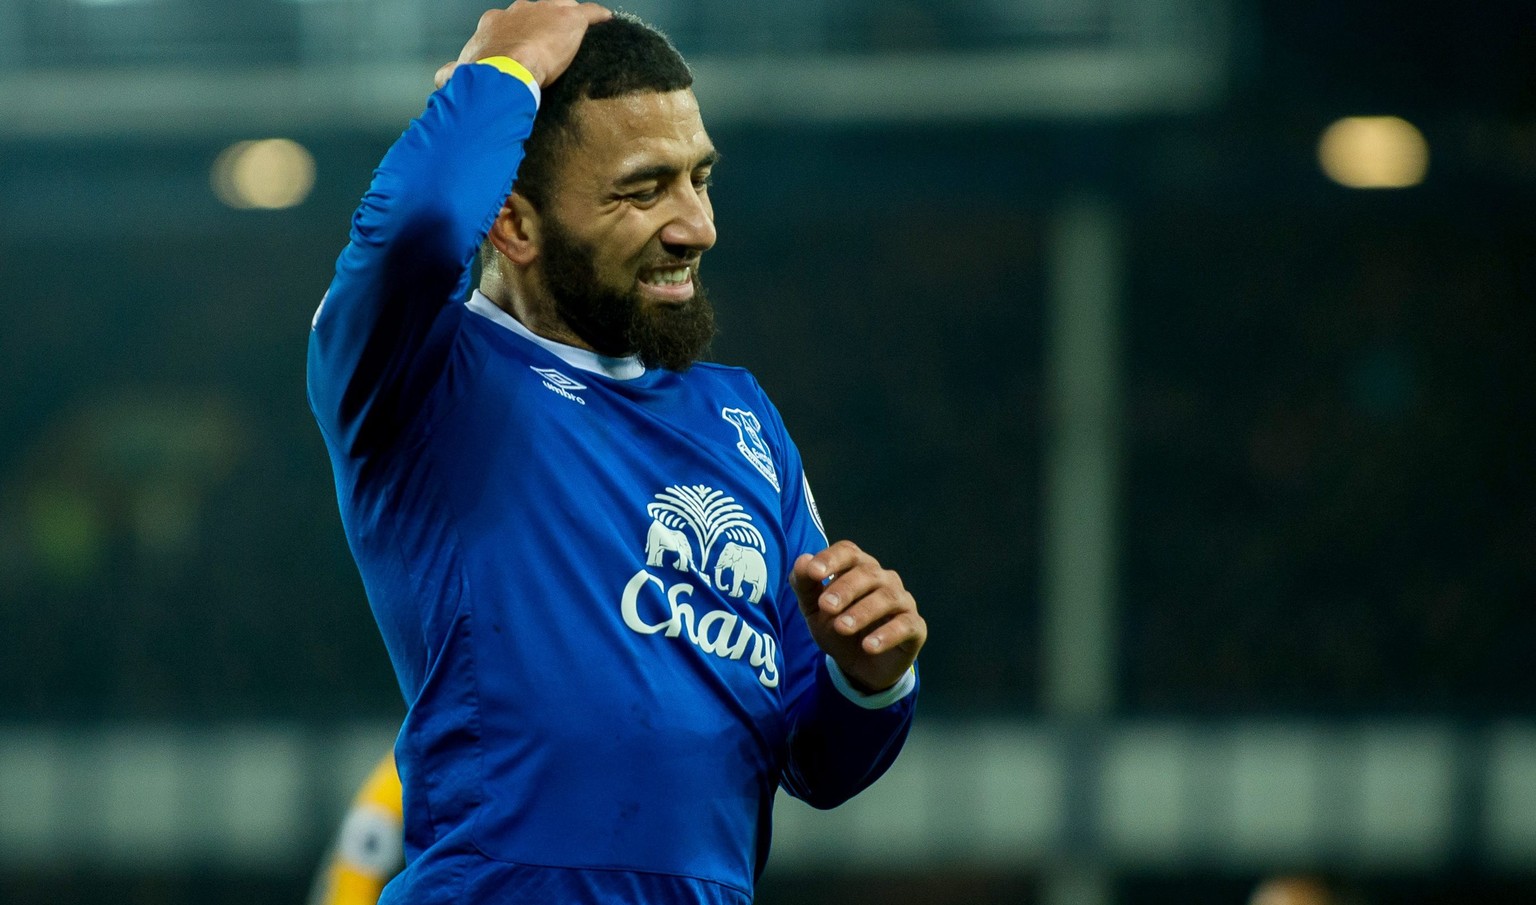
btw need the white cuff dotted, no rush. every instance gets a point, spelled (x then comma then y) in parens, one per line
(880, 699)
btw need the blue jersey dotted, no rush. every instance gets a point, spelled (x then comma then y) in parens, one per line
(579, 566)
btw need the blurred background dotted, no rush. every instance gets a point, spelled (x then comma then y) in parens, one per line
(1179, 353)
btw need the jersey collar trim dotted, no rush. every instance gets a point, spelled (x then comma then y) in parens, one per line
(627, 368)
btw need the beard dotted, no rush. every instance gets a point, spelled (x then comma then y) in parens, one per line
(615, 323)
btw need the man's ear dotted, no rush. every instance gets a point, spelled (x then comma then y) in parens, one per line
(516, 231)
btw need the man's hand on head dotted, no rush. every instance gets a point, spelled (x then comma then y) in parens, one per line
(860, 614)
(542, 35)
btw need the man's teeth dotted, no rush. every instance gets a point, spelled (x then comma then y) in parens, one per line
(669, 277)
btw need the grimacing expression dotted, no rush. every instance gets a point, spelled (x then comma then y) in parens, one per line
(614, 322)
(625, 229)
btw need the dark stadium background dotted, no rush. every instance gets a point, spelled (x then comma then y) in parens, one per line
(1321, 510)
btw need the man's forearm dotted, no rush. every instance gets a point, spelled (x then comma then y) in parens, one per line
(413, 241)
(838, 748)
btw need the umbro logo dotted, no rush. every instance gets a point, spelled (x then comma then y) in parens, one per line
(558, 383)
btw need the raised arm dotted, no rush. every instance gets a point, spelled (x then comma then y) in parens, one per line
(379, 340)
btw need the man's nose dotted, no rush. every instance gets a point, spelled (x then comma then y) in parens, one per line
(692, 224)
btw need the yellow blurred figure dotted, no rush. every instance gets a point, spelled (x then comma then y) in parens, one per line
(1292, 890)
(368, 850)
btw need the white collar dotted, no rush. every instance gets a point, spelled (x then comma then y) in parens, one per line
(626, 368)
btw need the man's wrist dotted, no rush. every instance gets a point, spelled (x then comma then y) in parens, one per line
(516, 70)
(878, 700)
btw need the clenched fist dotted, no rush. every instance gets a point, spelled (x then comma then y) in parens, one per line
(862, 617)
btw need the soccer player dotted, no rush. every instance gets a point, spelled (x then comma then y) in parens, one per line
(595, 563)
(367, 851)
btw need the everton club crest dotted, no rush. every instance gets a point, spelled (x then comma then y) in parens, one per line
(750, 442)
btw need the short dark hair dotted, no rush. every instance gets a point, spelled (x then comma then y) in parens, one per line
(619, 56)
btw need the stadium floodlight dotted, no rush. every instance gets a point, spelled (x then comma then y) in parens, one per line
(268, 174)
(1374, 152)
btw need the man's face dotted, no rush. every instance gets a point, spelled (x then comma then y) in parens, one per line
(626, 226)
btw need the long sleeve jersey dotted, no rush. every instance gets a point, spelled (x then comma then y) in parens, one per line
(579, 566)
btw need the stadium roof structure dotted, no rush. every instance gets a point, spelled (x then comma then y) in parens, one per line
(934, 87)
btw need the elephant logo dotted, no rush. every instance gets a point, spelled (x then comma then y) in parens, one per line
(661, 540)
(747, 568)
(682, 516)
(749, 441)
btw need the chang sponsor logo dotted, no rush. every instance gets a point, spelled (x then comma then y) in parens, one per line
(699, 534)
(650, 607)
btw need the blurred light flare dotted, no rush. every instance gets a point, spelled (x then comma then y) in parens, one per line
(263, 174)
(1374, 152)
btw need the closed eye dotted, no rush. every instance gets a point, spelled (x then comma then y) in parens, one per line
(643, 194)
